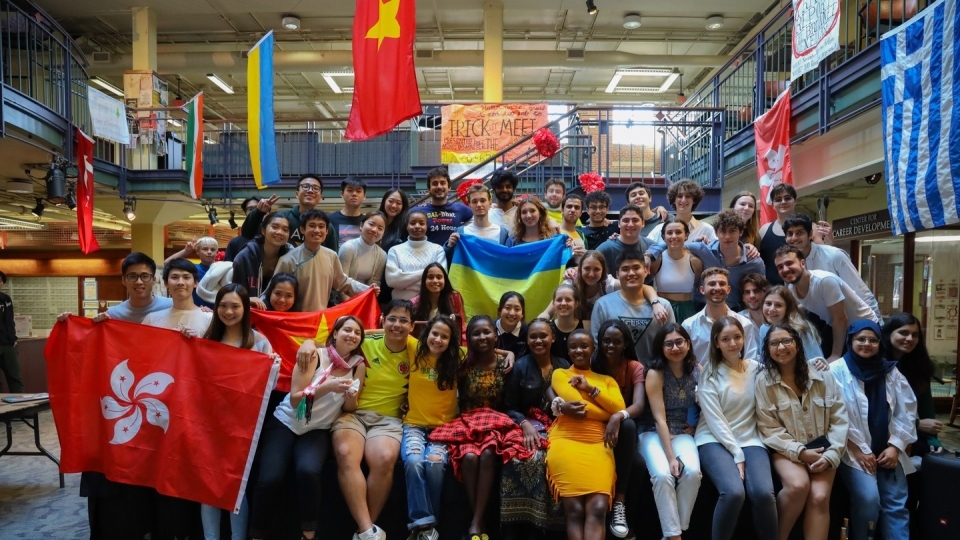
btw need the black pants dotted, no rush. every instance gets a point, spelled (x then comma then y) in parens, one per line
(117, 511)
(308, 452)
(625, 453)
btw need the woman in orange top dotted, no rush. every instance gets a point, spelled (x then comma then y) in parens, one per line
(580, 465)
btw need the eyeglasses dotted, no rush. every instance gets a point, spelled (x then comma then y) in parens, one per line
(398, 320)
(867, 340)
(783, 199)
(310, 188)
(133, 278)
(678, 344)
(786, 342)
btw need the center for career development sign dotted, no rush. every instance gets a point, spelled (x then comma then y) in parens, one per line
(816, 34)
(473, 133)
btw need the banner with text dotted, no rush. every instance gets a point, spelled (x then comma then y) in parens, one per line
(108, 117)
(473, 133)
(816, 34)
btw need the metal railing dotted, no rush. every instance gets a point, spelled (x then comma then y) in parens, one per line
(39, 60)
(748, 85)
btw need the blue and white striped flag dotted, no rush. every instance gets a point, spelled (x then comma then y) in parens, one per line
(921, 127)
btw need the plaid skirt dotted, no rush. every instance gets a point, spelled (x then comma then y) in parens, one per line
(477, 430)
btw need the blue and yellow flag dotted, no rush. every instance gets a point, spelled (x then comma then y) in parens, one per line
(261, 138)
(483, 270)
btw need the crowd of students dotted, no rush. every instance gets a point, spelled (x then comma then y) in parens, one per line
(686, 348)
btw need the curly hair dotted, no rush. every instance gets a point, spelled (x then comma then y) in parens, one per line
(801, 372)
(728, 219)
(543, 224)
(448, 363)
(685, 186)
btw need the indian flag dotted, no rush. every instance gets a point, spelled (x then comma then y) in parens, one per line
(195, 145)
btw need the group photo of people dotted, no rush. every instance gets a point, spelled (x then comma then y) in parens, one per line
(675, 352)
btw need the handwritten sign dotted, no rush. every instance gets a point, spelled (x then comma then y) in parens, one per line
(862, 225)
(816, 34)
(473, 133)
(108, 117)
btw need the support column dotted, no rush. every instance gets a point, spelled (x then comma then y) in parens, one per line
(493, 52)
(148, 238)
(144, 39)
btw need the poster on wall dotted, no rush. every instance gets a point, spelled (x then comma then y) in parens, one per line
(474, 133)
(816, 34)
(108, 116)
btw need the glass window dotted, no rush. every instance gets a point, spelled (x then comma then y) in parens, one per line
(937, 290)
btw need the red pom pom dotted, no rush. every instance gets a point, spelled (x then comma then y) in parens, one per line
(546, 142)
(221, 254)
(464, 186)
(591, 182)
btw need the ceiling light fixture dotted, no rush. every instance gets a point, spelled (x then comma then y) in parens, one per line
(233, 220)
(681, 97)
(631, 21)
(212, 214)
(220, 82)
(130, 208)
(38, 209)
(329, 78)
(20, 186)
(290, 22)
(56, 185)
(591, 8)
(174, 122)
(714, 22)
(669, 82)
(107, 86)
(71, 199)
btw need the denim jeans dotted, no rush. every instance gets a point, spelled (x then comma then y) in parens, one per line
(718, 465)
(210, 516)
(880, 498)
(424, 475)
(674, 496)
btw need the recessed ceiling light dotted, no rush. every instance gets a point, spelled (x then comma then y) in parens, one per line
(631, 21)
(290, 22)
(220, 82)
(714, 22)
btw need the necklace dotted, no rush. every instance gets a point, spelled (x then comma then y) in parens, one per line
(681, 391)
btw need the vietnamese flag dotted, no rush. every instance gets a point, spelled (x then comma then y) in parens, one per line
(150, 407)
(385, 84)
(287, 331)
(771, 131)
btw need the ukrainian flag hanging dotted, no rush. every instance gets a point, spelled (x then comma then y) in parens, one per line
(261, 138)
(483, 270)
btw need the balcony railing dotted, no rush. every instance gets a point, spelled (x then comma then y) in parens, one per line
(39, 60)
(749, 84)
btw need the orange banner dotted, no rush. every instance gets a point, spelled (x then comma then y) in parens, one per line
(473, 133)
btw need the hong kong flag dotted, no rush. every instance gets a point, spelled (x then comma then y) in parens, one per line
(149, 407)
(772, 139)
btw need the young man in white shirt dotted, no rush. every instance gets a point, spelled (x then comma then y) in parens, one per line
(180, 278)
(799, 230)
(753, 289)
(684, 197)
(479, 198)
(572, 206)
(715, 286)
(825, 295)
(504, 185)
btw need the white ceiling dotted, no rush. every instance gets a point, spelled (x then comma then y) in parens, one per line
(196, 37)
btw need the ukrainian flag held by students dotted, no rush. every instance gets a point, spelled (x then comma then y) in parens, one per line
(482, 271)
(260, 136)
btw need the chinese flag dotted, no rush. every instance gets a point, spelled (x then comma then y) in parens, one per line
(772, 137)
(180, 415)
(84, 151)
(385, 84)
(287, 331)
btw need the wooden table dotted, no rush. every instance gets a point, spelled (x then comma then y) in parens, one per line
(26, 411)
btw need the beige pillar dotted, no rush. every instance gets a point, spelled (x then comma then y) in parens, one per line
(148, 238)
(144, 39)
(492, 52)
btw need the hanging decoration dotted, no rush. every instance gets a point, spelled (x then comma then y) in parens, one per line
(464, 186)
(546, 142)
(591, 182)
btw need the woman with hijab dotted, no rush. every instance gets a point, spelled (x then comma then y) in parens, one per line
(882, 412)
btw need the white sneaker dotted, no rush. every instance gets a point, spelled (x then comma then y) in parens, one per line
(618, 521)
(376, 533)
(429, 534)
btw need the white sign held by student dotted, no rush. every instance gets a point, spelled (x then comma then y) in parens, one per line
(816, 33)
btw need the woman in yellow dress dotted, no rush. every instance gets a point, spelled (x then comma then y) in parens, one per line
(580, 463)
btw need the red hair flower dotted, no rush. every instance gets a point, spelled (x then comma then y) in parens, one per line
(464, 186)
(591, 182)
(546, 142)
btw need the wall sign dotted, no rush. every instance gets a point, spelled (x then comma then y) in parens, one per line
(862, 225)
(816, 33)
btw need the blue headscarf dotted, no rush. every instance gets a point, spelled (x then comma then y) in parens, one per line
(873, 372)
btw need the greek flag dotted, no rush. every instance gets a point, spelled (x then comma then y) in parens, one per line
(921, 126)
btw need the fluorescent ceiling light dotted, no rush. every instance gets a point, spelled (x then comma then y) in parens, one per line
(666, 84)
(174, 122)
(929, 239)
(220, 82)
(107, 86)
(329, 77)
(671, 75)
(10, 224)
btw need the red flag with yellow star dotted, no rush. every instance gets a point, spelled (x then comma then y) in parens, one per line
(287, 331)
(385, 83)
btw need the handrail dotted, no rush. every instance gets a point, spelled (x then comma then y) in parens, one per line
(67, 42)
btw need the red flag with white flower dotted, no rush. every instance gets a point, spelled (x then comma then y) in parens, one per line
(181, 415)
(772, 140)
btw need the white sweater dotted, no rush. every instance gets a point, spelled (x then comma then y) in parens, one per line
(405, 264)
(728, 409)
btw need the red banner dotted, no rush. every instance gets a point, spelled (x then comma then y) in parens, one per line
(287, 331)
(84, 151)
(772, 138)
(385, 83)
(149, 407)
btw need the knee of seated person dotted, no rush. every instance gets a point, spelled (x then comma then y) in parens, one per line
(663, 477)
(381, 458)
(598, 506)
(471, 458)
(574, 511)
(820, 499)
(796, 484)
(435, 458)
(308, 470)
(487, 454)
